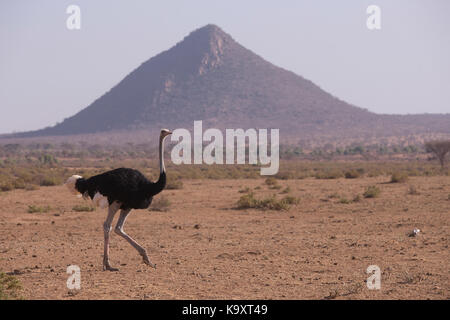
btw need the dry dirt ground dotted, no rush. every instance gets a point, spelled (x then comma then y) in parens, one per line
(206, 249)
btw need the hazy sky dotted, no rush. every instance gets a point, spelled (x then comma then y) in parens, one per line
(48, 73)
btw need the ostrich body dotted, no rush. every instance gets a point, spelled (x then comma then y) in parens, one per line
(123, 189)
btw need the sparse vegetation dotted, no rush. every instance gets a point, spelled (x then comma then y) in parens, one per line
(174, 184)
(31, 187)
(372, 192)
(344, 201)
(399, 177)
(34, 209)
(50, 181)
(83, 208)
(249, 201)
(286, 190)
(161, 203)
(412, 190)
(244, 190)
(10, 287)
(271, 181)
(6, 186)
(408, 278)
(329, 174)
(333, 195)
(352, 174)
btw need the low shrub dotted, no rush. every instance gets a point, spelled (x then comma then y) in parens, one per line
(344, 201)
(50, 180)
(412, 190)
(6, 186)
(372, 192)
(352, 174)
(286, 190)
(328, 174)
(174, 184)
(10, 287)
(83, 208)
(31, 187)
(399, 177)
(244, 190)
(160, 204)
(34, 209)
(249, 201)
(271, 181)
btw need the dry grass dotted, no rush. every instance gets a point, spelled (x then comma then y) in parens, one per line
(372, 192)
(10, 287)
(38, 209)
(83, 208)
(161, 204)
(399, 177)
(249, 201)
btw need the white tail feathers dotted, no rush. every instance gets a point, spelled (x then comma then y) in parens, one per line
(100, 200)
(70, 183)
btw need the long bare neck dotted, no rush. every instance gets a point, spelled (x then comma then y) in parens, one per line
(159, 185)
(162, 168)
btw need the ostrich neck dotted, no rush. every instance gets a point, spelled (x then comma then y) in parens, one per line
(158, 186)
(162, 168)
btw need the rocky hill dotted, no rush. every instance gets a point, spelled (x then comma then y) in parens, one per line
(208, 76)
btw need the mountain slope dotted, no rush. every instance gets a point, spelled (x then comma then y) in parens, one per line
(208, 76)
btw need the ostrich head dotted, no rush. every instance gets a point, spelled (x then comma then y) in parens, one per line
(164, 133)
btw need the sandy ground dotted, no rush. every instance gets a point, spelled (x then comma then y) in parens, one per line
(206, 249)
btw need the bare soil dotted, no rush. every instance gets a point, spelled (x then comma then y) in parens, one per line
(205, 248)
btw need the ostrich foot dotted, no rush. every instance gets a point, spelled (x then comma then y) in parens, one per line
(147, 261)
(107, 267)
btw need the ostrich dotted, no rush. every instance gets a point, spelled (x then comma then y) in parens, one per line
(124, 189)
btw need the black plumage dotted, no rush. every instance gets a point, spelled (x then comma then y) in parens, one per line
(127, 186)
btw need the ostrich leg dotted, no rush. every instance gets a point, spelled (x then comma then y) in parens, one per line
(107, 229)
(137, 246)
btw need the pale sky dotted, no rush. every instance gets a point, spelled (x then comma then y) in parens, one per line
(48, 73)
